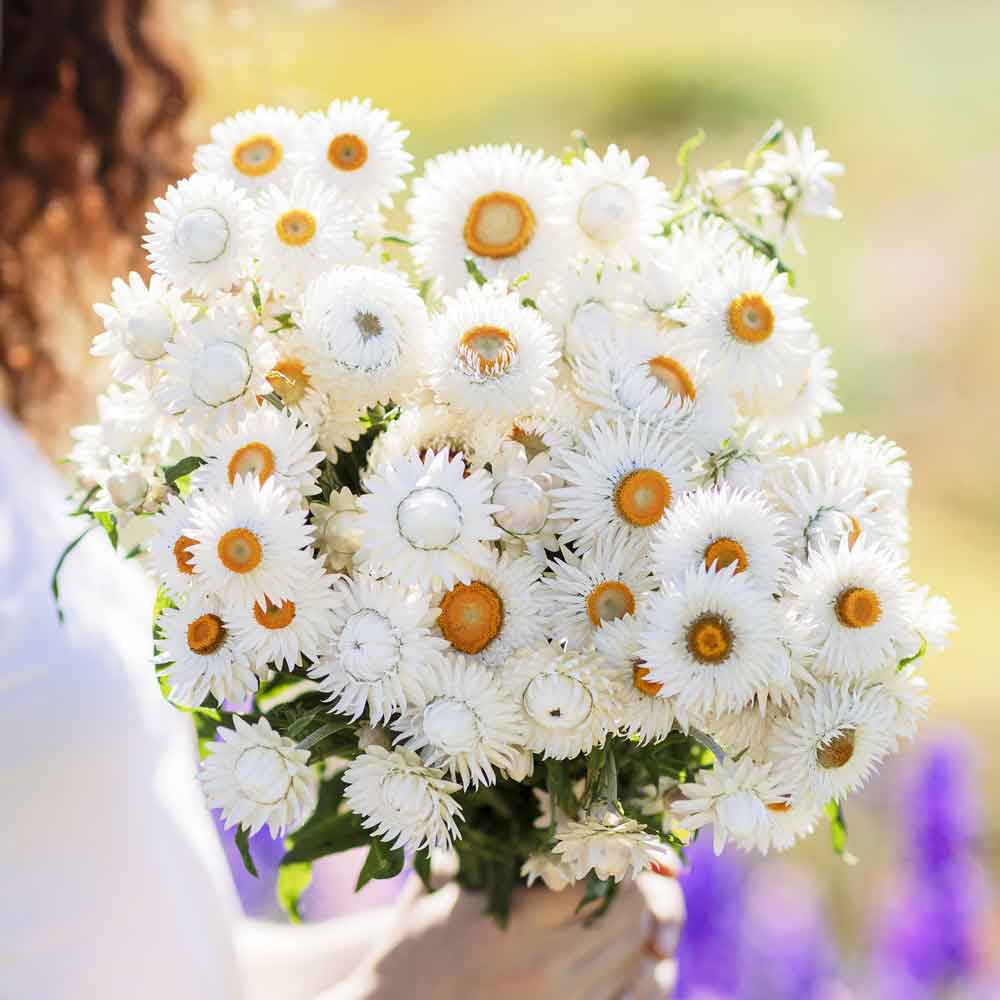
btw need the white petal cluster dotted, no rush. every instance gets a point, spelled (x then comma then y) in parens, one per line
(534, 492)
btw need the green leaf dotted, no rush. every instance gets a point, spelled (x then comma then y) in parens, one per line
(769, 139)
(243, 843)
(59, 565)
(473, 268)
(838, 831)
(110, 525)
(683, 155)
(530, 304)
(179, 470)
(401, 240)
(501, 879)
(382, 862)
(560, 790)
(331, 834)
(600, 891)
(293, 880)
(422, 866)
(255, 297)
(907, 660)
(83, 507)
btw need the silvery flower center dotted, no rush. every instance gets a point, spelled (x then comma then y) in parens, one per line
(262, 775)
(591, 322)
(525, 505)
(221, 374)
(127, 489)
(147, 331)
(557, 701)
(406, 795)
(429, 518)
(451, 725)
(368, 647)
(202, 235)
(606, 212)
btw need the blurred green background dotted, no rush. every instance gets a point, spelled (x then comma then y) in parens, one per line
(905, 288)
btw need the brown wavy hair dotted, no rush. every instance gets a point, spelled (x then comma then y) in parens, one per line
(90, 115)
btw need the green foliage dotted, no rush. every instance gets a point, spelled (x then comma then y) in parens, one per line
(382, 861)
(838, 830)
(683, 155)
(109, 523)
(422, 866)
(473, 268)
(243, 843)
(172, 474)
(907, 660)
(329, 830)
(293, 880)
(54, 584)
(599, 891)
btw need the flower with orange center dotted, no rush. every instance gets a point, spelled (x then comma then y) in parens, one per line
(253, 459)
(296, 227)
(642, 497)
(290, 380)
(710, 639)
(240, 550)
(858, 607)
(672, 375)
(182, 555)
(640, 683)
(257, 155)
(724, 552)
(487, 349)
(750, 318)
(347, 152)
(609, 600)
(471, 616)
(274, 616)
(206, 634)
(499, 224)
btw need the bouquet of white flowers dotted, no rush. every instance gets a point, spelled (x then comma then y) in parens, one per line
(509, 536)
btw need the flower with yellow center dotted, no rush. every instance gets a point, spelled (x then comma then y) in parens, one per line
(471, 616)
(347, 152)
(710, 639)
(723, 552)
(488, 349)
(857, 607)
(296, 227)
(257, 155)
(750, 318)
(642, 497)
(499, 224)
(253, 459)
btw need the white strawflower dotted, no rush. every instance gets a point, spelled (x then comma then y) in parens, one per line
(338, 532)
(522, 488)
(659, 377)
(734, 798)
(495, 612)
(745, 461)
(750, 326)
(296, 379)
(880, 464)
(250, 541)
(466, 725)
(581, 594)
(340, 427)
(489, 356)
(858, 599)
(170, 547)
(610, 845)
(282, 632)
(723, 527)
(565, 698)
(201, 236)
(496, 204)
(908, 690)
(380, 647)
(621, 481)
(614, 209)
(832, 742)
(713, 641)
(425, 520)
(550, 424)
(550, 869)
(253, 149)
(201, 655)
(215, 370)
(932, 618)
(365, 327)
(402, 801)
(257, 777)
(138, 325)
(357, 150)
(266, 442)
(302, 233)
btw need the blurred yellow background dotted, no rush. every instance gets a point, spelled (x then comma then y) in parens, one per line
(905, 94)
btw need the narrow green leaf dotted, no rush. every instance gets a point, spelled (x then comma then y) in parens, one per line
(293, 880)
(473, 268)
(382, 862)
(83, 507)
(332, 834)
(683, 155)
(422, 866)
(255, 297)
(110, 525)
(179, 470)
(501, 878)
(838, 831)
(600, 891)
(401, 240)
(59, 565)
(907, 660)
(243, 843)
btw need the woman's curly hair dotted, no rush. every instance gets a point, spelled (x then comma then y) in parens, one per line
(90, 114)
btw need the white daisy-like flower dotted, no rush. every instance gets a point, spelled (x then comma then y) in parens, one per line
(340, 427)
(466, 725)
(490, 356)
(721, 527)
(296, 379)
(357, 150)
(170, 547)
(858, 599)
(832, 741)
(253, 149)
(747, 730)
(658, 377)
(565, 697)
(523, 490)
(588, 302)
(550, 869)
(622, 480)
(303, 233)
(267, 442)
(426, 520)
(283, 632)
(256, 776)
(614, 209)
(496, 204)
(365, 328)
(402, 801)
(215, 370)
(908, 690)
(338, 534)
(642, 710)
(249, 541)
(495, 612)
(201, 236)
(550, 424)
(610, 845)
(138, 325)
(932, 618)
(752, 329)
(880, 463)
(789, 821)
(795, 412)
(201, 655)
(380, 648)
(733, 797)
(713, 641)
(582, 593)
(744, 461)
